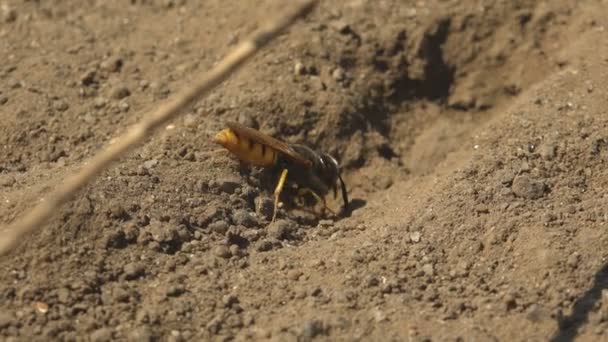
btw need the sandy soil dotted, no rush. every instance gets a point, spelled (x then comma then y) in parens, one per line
(473, 137)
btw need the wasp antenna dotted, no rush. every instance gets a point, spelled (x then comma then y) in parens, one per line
(344, 194)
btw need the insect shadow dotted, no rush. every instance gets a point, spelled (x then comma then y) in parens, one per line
(355, 204)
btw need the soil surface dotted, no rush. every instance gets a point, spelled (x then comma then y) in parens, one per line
(473, 137)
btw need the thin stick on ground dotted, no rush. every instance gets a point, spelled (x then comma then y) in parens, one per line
(12, 235)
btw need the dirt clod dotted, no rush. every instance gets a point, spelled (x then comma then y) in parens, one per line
(229, 184)
(133, 270)
(428, 269)
(548, 151)
(527, 187)
(112, 64)
(264, 207)
(5, 320)
(115, 239)
(280, 229)
(120, 92)
(175, 290)
(312, 329)
(574, 259)
(243, 218)
(220, 227)
(162, 232)
(222, 252)
(264, 246)
(142, 334)
(9, 14)
(102, 335)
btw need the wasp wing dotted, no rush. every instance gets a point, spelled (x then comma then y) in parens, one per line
(269, 141)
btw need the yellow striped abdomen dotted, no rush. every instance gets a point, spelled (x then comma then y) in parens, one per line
(246, 149)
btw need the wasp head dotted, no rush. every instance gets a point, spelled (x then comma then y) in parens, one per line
(330, 174)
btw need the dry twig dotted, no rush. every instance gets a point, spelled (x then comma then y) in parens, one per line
(13, 234)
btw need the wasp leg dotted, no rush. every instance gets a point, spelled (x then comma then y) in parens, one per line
(346, 208)
(277, 192)
(304, 191)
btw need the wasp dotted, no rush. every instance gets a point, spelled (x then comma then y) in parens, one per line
(312, 172)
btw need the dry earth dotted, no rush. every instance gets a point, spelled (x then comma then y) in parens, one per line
(473, 136)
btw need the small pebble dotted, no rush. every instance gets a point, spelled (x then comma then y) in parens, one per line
(299, 69)
(120, 92)
(131, 232)
(247, 120)
(326, 223)
(415, 237)
(7, 181)
(133, 270)
(548, 151)
(100, 102)
(175, 290)
(215, 325)
(428, 269)
(338, 74)
(142, 334)
(6, 319)
(124, 106)
(264, 246)
(112, 64)
(229, 300)
(175, 336)
(9, 14)
(548, 217)
(222, 252)
(509, 301)
(505, 177)
(482, 209)
(311, 329)
(150, 164)
(535, 313)
(341, 26)
(101, 335)
(114, 239)
(574, 260)
(88, 78)
(234, 250)
(118, 295)
(41, 307)
(162, 232)
(295, 275)
(61, 106)
(379, 315)
(63, 295)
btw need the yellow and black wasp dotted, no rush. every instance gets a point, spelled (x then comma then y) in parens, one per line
(312, 172)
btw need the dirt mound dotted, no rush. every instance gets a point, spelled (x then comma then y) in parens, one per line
(472, 138)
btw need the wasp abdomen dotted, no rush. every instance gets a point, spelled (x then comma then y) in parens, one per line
(246, 149)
